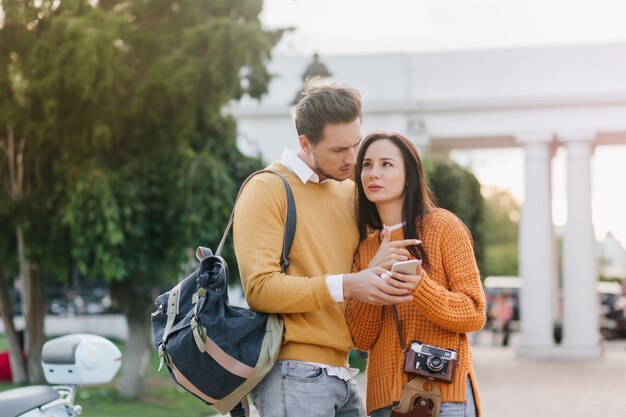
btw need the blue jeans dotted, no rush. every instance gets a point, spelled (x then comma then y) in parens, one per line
(295, 389)
(448, 409)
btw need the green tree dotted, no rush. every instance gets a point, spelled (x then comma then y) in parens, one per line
(156, 158)
(122, 102)
(502, 213)
(457, 189)
(7, 248)
(47, 102)
(23, 174)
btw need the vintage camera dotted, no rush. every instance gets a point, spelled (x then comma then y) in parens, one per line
(431, 361)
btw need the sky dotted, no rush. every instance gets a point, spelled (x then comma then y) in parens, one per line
(357, 26)
(343, 27)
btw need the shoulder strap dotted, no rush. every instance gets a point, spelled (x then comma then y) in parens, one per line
(290, 225)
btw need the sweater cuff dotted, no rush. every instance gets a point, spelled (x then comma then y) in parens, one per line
(322, 292)
(366, 311)
(425, 292)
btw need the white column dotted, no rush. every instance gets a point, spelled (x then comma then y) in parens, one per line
(580, 300)
(537, 260)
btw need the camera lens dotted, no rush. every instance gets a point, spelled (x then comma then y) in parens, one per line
(435, 363)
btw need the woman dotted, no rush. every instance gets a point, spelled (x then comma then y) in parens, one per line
(502, 313)
(448, 299)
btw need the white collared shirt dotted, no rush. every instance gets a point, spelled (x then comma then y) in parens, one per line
(291, 160)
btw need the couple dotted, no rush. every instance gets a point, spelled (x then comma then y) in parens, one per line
(327, 310)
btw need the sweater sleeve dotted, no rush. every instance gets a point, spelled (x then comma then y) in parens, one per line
(461, 307)
(364, 320)
(258, 234)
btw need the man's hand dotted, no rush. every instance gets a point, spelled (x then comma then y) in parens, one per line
(390, 252)
(368, 286)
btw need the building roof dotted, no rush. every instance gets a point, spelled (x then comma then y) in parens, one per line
(497, 77)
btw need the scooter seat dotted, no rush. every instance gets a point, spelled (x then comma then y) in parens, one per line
(19, 400)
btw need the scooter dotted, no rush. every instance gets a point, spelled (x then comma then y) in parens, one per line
(72, 360)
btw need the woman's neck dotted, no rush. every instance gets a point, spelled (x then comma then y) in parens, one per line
(390, 213)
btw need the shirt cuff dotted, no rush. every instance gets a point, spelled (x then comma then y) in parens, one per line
(335, 286)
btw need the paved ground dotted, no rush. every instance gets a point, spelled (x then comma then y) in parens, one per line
(514, 387)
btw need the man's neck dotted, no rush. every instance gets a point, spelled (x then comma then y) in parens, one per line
(307, 160)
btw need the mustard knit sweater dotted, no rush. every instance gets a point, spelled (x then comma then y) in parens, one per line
(325, 241)
(449, 302)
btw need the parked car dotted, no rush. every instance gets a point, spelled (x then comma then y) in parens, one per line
(612, 309)
(612, 320)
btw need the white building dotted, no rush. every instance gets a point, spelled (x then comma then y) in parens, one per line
(538, 99)
(612, 257)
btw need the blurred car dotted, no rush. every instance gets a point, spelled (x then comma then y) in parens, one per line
(612, 309)
(495, 285)
(612, 320)
(67, 302)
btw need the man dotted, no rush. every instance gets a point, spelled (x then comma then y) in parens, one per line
(311, 377)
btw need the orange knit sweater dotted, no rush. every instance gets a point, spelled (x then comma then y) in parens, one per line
(448, 302)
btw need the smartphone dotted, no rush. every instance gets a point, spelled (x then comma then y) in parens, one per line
(406, 267)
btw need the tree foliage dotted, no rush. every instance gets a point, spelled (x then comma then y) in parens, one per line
(457, 189)
(502, 213)
(493, 220)
(128, 157)
(167, 153)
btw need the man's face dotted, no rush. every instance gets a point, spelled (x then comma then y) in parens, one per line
(334, 156)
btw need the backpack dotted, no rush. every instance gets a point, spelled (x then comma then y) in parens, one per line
(216, 351)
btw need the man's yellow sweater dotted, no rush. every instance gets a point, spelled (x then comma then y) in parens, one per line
(448, 302)
(325, 241)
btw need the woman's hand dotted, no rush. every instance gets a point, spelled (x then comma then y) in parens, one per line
(370, 286)
(406, 282)
(390, 252)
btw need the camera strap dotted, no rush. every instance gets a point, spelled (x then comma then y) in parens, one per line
(403, 345)
(420, 398)
(399, 328)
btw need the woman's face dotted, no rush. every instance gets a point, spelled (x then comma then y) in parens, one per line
(382, 173)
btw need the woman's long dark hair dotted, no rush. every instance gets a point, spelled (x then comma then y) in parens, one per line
(418, 198)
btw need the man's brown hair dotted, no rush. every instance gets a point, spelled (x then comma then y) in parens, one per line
(328, 104)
